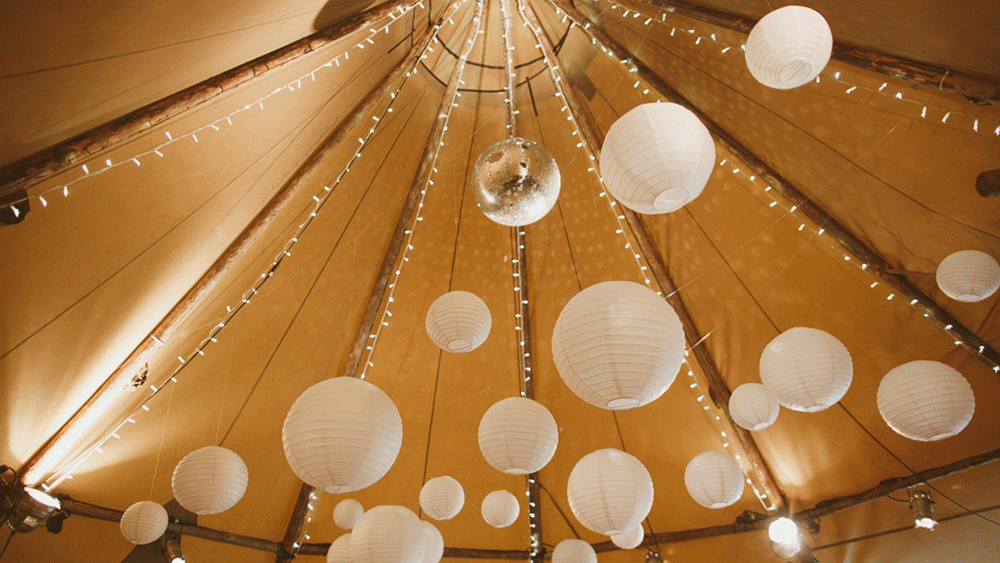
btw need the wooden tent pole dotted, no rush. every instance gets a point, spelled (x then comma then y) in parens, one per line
(50, 161)
(46, 458)
(289, 546)
(847, 240)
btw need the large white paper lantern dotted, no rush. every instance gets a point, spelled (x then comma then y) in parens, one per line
(518, 436)
(144, 522)
(388, 534)
(435, 544)
(789, 47)
(610, 491)
(925, 400)
(753, 407)
(209, 480)
(714, 480)
(629, 539)
(618, 345)
(342, 435)
(968, 275)
(806, 369)
(657, 157)
(340, 550)
(500, 509)
(442, 498)
(347, 512)
(574, 551)
(458, 322)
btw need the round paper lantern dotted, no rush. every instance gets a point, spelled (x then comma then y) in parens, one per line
(388, 534)
(500, 509)
(753, 407)
(714, 480)
(342, 435)
(209, 480)
(458, 321)
(657, 157)
(442, 498)
(610, 491)
(925, 400)
(435, 544)
(340, 550)
(574, 551)
(515, 182)
(789, 47)
(968, 275)
(629, 539)
(806, 369)
(618, 345)
(347, 512)
(518, 436)
(144, 522)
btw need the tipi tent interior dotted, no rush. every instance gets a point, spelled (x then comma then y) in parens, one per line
(210, 207)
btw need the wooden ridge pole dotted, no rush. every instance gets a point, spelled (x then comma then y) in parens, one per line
(289, 544)
(848, 241)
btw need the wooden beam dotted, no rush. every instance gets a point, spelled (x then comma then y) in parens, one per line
(449, 552)
(48, 162)
(847, 240)
(290, 543)
(51, 453)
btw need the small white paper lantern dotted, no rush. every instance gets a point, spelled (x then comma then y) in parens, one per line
(435, 544)
(618, 345)
(347, 512)
(342, 435)
(500, 509)
(714, 480)
(442, 498)
(388, 534)
(807, 369)
(926, 401)
(789, 47)
(657, 158)
(209, 480)
(753, 407)
(968, 275)
(340, 550)
(144, 522)
(458, 322)
(629, 539)
(574, 551)
(610, 491)
(518, 436)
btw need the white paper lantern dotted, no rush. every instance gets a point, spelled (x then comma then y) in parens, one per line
(574, 551)
(209, 480)
(714, 480)
(435, 544)
(388, 534)
(968, 275)
(753, 407)
(144, 522)
(610, 491)
(618, 345)
(342, 435)
(442, 498)
(518, 436)
(347, 512)
(926, 401)
(657, 157)
(340, 550)
(458, 322)
(789, 47)
(806, 369)
(629, 539)
(500, 509)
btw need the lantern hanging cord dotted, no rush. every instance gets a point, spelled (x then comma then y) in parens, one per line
(508, 67)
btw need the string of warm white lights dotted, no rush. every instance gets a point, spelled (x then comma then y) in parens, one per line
(214, 125)
(310, 511)
(319, 200)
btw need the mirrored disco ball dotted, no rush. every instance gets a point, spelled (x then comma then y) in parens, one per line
(515, 182)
